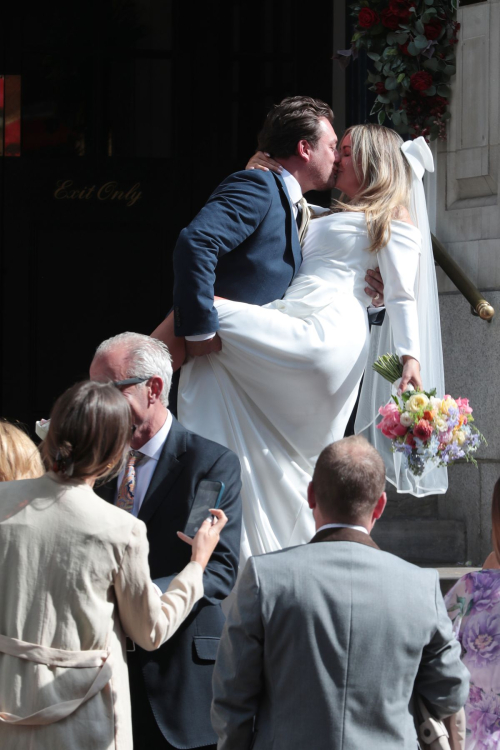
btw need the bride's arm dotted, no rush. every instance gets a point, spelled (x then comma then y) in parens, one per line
(399, 261)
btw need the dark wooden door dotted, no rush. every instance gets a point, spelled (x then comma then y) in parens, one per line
(130, 113)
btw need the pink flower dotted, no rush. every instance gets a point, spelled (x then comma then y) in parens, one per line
(463, 406)
(423, 429)
(391, 424)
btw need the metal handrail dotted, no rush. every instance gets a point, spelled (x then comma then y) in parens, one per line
(479, 305)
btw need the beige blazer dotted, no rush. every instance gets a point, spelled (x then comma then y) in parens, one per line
(74, 578)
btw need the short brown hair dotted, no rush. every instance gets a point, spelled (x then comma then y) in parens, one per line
(19, 456)
(348, 479)
(294, 119)
(90, 429)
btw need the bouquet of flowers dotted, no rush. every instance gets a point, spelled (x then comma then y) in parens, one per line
(423, 427)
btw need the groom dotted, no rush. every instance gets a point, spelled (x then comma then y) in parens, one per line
(244, 243)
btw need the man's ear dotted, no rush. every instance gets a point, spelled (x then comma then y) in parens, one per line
(311, 496)
(304, 150)
(156, 388)
(379, 508)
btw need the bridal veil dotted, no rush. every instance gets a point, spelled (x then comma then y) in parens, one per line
(376, 391)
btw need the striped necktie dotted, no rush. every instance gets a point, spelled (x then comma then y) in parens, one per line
(126, 493)
(303, 218)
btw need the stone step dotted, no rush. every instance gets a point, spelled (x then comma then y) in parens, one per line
(423, 541)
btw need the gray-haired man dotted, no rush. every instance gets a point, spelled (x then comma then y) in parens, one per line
(326, 643)
(171, 690)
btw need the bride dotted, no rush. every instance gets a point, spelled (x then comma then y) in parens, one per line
(286, 380)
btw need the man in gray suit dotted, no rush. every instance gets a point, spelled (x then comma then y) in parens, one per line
(326, 643)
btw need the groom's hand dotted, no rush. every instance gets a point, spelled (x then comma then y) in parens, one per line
(200, 348)
(375, 290)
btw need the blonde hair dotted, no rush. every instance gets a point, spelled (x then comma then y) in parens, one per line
(385, 178)
(19, 456)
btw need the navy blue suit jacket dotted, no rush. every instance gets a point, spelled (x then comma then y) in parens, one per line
(242, 245)
(172, 686)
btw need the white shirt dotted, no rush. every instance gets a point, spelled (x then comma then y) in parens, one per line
(295, 194)
(144, 472)
(293, 189)
(342, 526)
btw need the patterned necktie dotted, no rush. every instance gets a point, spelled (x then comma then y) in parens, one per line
(303, 218)
(126, 493)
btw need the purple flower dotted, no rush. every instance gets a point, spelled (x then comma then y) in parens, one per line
(475, 694)
(483, 721)
(481, 640)
(486, 593)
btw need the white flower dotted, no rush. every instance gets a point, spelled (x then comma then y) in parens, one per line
(435, 403)
(406, 419)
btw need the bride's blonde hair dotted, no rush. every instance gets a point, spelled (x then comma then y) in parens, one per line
(385, 178)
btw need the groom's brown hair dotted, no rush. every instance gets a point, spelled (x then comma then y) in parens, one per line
(294, 119)
(348, 479)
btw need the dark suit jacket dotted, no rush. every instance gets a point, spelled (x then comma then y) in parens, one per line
(242, 245)
(177, 678)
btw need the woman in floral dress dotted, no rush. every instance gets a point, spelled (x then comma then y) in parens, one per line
(474, 607)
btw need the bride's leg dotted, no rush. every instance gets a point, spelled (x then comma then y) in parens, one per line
(176, 344)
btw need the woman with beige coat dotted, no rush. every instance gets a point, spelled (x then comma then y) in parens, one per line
(74, 579)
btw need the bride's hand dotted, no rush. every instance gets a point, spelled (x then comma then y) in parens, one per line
(263, 161)
(411, 374)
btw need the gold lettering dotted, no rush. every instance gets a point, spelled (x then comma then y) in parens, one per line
(61, 188)
(134, 194)
(111, 190)
(106, 190)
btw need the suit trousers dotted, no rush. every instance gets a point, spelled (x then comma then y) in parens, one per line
(147, 735)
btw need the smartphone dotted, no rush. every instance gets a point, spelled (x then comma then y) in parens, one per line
(208, 495)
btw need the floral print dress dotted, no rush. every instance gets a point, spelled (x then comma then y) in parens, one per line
(474, 607)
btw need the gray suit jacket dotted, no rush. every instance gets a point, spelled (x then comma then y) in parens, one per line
(324, 645)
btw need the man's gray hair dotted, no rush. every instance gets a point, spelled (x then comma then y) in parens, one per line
(147, 357)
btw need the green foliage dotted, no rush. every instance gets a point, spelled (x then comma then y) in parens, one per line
(406, 41)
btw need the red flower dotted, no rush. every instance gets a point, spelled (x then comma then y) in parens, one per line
(423, 429)
(410, 441)
(380, 87)
(433, 30)
(401, 8)
(421, 81)
(390, 19)
(403, 48)
(367, 18)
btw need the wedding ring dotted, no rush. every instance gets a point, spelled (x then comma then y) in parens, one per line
(377, 296)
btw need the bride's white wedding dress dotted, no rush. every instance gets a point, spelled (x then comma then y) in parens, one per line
(285, 383)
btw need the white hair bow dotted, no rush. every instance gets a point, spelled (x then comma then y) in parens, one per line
(419, 156)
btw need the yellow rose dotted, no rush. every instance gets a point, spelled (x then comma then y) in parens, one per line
(459, 437)
(416, 402)
(445, 405)
(440, 424)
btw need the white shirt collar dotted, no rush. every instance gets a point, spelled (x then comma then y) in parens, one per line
(154, 446)
(293, 188)
(342, 526)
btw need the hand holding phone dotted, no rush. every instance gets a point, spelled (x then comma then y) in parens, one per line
(208, 495)
(206, 538)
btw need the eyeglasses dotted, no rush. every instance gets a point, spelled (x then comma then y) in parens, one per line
(128, 381)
